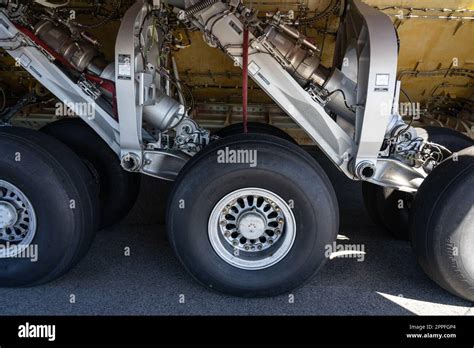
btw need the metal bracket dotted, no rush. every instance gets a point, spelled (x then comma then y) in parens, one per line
(146, 89)
(163, 164)
(393, 173)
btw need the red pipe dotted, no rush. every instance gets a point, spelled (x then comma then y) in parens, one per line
(245, 79)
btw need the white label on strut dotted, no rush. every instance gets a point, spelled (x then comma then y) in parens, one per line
(253, 68)
(382, 79)
(24, 60)
(124, 67)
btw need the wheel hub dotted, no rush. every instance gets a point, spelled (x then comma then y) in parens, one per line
(251, 222)
(252, 228)
(8, 215)
(17, 220)
(251, 225)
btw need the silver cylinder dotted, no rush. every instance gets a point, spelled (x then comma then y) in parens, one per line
(295, 34)
(300, 62)
(109, 72)
(82, 55)
(164, 114)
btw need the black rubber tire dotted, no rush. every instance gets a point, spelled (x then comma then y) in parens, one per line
(51, 176)
(283, 168)
(252, 128)
(118, 189)
(442, 225)
(390, 208)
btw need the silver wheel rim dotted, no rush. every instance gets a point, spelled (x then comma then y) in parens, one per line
(252, 228)
(17, 220)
